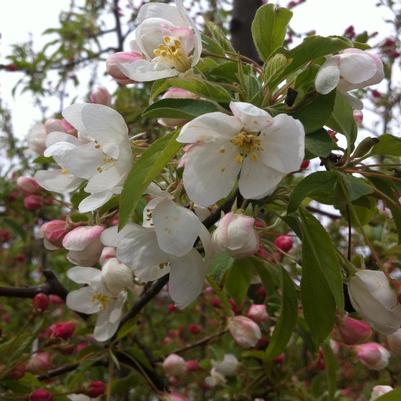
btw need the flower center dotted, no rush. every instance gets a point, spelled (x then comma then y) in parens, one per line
(100, 298)
(172, 53)
(248, 144)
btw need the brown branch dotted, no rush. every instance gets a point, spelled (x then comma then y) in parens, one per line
(201, 342)
(323, 213)
(120, 37)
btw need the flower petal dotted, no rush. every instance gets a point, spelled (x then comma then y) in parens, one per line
(257, 180)
(94, 201)
(99, 122)
(57, 136)
(155, 10)
(328, 76)
(104, 329)
(84, 275)
(176, 227)
(210, 127)
(144, 71)
(187, 276)
(283, 144)
(82, 301)
(57, 181)
(357, 67)
(252, 118)
(210, 172)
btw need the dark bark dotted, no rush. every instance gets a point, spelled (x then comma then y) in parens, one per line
(240, 27)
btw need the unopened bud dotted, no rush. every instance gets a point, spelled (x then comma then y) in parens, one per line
(174, 365)
(64, 330)
(40, 302)
(101, 96)
(28, 184)
(284, 242)
(33, 202)
(373, 355)
(244, 331)
(113, 69)
(96, 388)
(258, 313)
(41, 394)
(353, 331)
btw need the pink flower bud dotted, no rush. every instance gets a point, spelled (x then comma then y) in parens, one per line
(373, 355)
(353, 331)
(101, 96)
(108, 252)
(54, 232)
(244, 331)
(236, 234)
(358, 116)
(194, 328)
(64, 330)
(96, 388)
(83, 244)
(40, 302)
(5, 235)
(54, 124)
(56, 300)
(33, 202)
(113, 69)
(258, 313)
(174, 365)
(41, 394)
(39, 362)
(192, 365)
(28, 184)
(394, 342)
(378, 391)
(176, 93)
(283, 242)
(67, 127)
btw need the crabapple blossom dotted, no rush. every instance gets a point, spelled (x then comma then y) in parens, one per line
(375, 300)
(101, 95)
(63, 330)
(36, 139)
(260, 148)
(236, 233)
(244, 331)
(228, 366)
(353, 331)
(164, 244)
(100, 155)
(373, 355)
(96, 297)
(258, 313)
(84, 245)
(115, 60)
(39, 362)
(108, 252)
(174, 365)
(28, 184)
(53, 233)
(215, 378)
(378, 391)
(348, 70)
(167, 40)
(394, 342)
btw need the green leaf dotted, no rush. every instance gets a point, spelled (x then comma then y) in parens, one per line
(319, 144)
(219, 264)
(394, 395)
(322, 282)
(269, 28)
(238, 279)
(319, 186)
(342, 119)
(315, 112)
(219, 37)
(179, 108)
(311, 48)
(144, 171)
(288, 317)
(331, 370)
(388, 145)
(357, 187)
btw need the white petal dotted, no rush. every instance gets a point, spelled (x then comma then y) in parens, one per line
(357, 67)
(187, 276)
(100, 123)
(157, 10)
(144, 71)
(354, 101)
(283, 144)
(252, 118)
(59, 149)
(57, 136)
(94, 201)
(210, 172)
(110, 237)
(84, 275)
(256, 180)
(117, 308)
(82, 301)
(210, 127)
(103, 181)
(104, 329)
(57, 181)
(176, 227)
(328, 76)
(147, 215)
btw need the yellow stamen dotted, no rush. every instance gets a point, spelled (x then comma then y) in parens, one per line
(102, 299)
(248, 144)
(172, 53)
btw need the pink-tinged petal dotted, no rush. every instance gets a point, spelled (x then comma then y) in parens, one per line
(168, 12)
(100, 123)
(328, 76)
(82, 301)
(283, 144)
(177, 228)
(57, 181)
(210, 127)
(145, 71)
(357, 67)
(110, 237)
(256, 180)
(81, 237)
(84, 275)
(187, 276)
(252, 118)
(210, 172)
(94, 201)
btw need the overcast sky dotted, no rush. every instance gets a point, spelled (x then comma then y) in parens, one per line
(19, 18)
